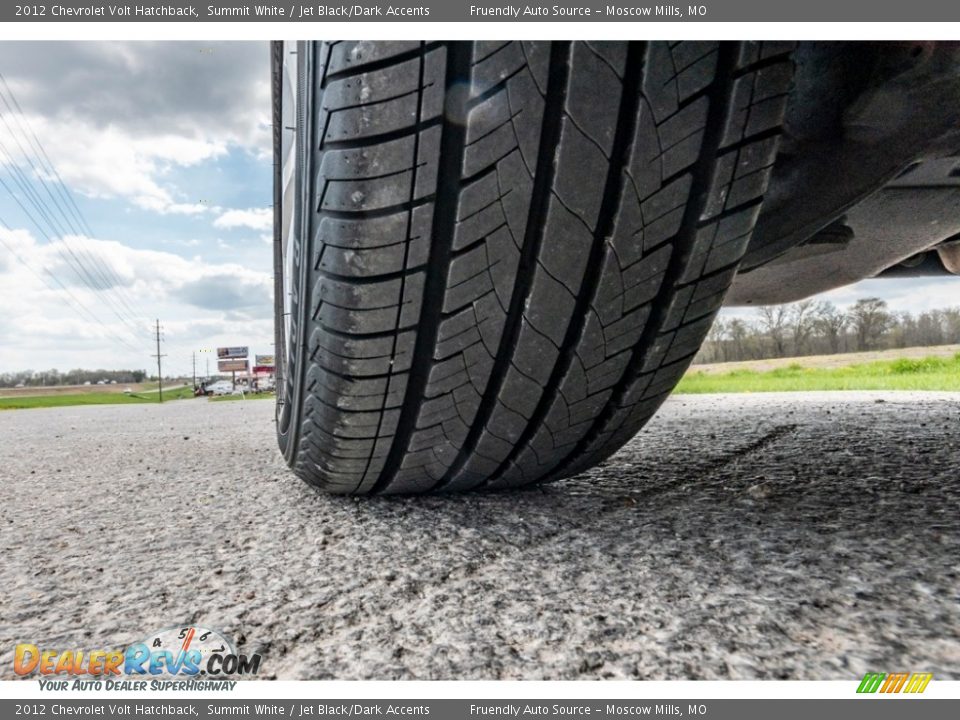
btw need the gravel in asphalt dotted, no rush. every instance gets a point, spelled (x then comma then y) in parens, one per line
(789, 536)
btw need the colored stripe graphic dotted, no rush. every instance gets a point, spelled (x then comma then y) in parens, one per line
(918, 682)
(894, 682)
(871, 682)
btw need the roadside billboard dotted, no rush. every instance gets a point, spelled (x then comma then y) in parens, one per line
(232, 365)
(264, 369)
(264, 360)
(233, 352)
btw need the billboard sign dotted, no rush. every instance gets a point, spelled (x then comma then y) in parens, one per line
(264, 361)
(232, 365)
(264, 369)
(233, 352)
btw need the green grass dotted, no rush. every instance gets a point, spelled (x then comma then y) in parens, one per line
(91, 398)
(930, 373)
(245, 396)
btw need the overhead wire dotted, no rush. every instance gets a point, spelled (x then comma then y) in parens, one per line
(43, 159)
(73, 265)
(77, 305)
(102, 277)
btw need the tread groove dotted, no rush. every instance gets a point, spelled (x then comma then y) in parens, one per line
(518, 306)
(720, 101)
(378, 138)
(614, 186)
(533, 236)
(452, 150)
(406, 256)
(374, 65)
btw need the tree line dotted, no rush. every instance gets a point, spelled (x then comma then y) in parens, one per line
(808, 327)
(48, 378)
(818, 327)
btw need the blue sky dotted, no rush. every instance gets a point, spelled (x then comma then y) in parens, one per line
(165, 148)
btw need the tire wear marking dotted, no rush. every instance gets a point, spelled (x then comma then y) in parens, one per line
(452, 147)
(402, 273)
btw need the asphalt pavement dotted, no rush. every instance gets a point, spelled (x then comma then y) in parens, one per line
(785, 536)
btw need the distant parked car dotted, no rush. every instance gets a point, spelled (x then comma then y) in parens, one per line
(221, 387)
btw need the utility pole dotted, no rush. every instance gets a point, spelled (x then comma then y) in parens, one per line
(194, 370)
(159, 365)
(206, 355)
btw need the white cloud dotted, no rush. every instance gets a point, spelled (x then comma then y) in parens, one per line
(253, 218)
(217, 91)
(913, 295)
(199, 304)
(146, 124)
(117, 118)
(110, 162)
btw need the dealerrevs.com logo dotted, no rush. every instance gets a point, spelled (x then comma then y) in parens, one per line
(188, 652)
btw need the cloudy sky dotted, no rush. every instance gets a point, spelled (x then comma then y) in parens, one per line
(165, 149)
(914, 295)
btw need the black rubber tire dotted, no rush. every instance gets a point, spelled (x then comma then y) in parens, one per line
(509, 252)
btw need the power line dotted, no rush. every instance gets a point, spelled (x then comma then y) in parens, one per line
(83, 274)
(103, 276)
(62, 188)
(71, 260)
(47, 164)
(72, 300)
(66, 259)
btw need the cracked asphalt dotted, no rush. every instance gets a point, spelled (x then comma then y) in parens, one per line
(812, 536)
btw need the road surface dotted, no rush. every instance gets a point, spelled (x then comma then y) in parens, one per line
(792, 536)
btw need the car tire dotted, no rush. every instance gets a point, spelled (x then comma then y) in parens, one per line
(495, 260)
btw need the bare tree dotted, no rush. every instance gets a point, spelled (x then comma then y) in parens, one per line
(773, 319)
(830, 324)
(801, 315)
(951, 325)
(930, 328)
(821, 327)
(739, 331)
(715, 341)
(902, 330)
(870, 319)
